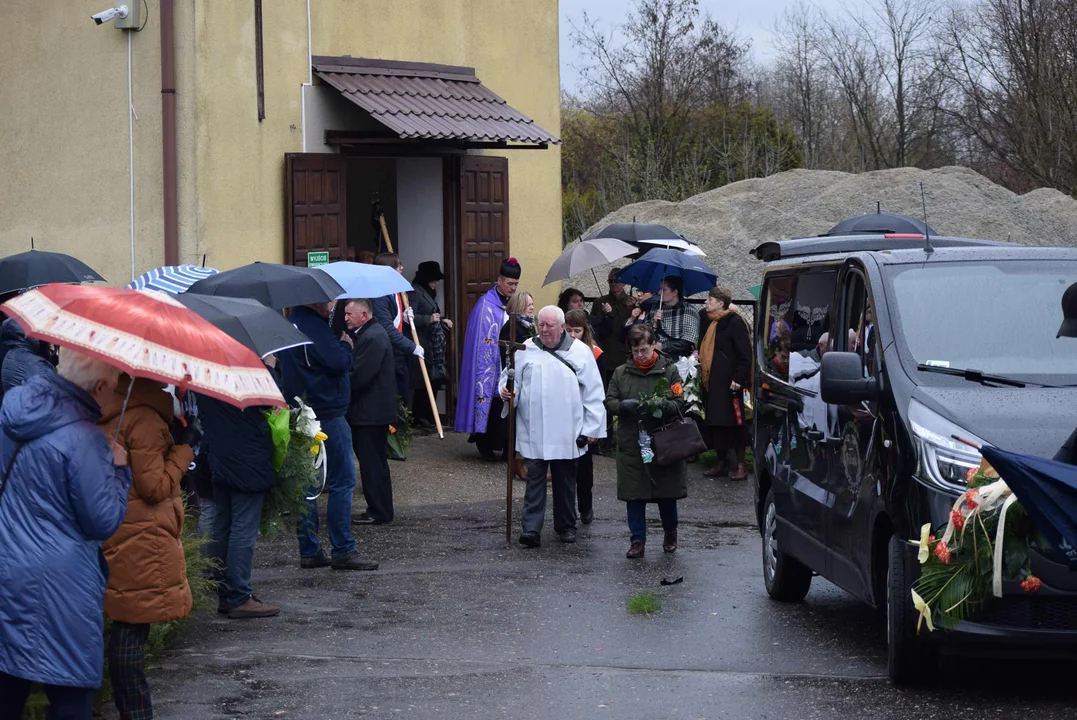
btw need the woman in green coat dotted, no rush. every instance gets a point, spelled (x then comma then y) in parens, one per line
(639, 483)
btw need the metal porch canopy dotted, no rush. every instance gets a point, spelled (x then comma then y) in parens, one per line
(422, 102)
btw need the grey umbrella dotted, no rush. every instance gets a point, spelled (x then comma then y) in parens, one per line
(587, 255)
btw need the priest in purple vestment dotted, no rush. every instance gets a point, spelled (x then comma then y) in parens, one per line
(481, 364)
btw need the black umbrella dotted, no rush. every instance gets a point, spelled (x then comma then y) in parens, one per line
(276, 286)
(645, 236)
(35, 268)
(249, 322)
(880, 224)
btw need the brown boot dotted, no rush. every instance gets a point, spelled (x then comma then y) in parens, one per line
(253, 608)
(669, 542)
(636, 551)
(741, 473)
(719, 470)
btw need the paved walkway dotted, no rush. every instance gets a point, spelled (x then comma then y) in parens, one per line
(456, 624)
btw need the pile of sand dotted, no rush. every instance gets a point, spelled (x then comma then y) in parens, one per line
(731, 220)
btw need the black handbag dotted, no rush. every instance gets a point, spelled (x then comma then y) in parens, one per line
(677, 441)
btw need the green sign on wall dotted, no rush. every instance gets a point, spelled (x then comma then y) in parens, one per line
(316, 259)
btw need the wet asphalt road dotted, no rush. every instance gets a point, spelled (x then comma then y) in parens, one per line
(456, 624)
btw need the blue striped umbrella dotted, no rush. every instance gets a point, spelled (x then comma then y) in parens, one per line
(172, 279)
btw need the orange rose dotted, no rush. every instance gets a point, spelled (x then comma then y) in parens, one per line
(392, 430)
(677, 389)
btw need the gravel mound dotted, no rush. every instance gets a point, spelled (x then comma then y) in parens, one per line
(729, 221)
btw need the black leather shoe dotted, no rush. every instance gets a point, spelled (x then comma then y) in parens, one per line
(315, 561)
(567, 536)
(365, 519)
(352, 561)
(530, 540)
(588, 517)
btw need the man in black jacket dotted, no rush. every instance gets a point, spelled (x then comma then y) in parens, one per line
(318, 373)
(372, 409)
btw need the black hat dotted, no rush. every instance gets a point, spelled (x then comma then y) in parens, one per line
(1069, 313)
(428, 272)
(510, 268)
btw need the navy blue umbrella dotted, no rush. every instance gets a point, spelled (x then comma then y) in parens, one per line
(646, 273)
(1047, 490)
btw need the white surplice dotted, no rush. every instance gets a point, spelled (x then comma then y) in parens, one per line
(554, 404)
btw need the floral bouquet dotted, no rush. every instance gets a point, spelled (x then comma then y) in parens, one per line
(688, 367)
(299, 460)
(987, 539)
(400, 434)
(652, 406)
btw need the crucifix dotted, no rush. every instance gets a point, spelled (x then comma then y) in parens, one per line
(511, 346)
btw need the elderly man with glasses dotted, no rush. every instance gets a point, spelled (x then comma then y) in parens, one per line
(559, 411)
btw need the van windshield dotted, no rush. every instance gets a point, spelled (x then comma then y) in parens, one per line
(996, 317)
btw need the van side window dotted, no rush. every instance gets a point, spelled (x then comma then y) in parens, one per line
(811, 309)
(858, 323)
(776, 331)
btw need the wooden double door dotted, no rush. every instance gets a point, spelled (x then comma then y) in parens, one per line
(476, 224)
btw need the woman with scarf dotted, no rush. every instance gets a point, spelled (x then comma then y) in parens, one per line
(676, 325)
(725, 363)
(639, 483)
(432, 329)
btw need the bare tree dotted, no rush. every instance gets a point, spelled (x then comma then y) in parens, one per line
(1015, 63)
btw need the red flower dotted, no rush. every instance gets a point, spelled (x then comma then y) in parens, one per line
(942, 552)
(1031, 584)
(970, 501)
(971, 475)
(957, 519)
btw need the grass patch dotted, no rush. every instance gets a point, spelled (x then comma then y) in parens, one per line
(644, 603)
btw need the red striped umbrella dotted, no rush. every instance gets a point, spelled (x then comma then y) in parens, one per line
(146, 334)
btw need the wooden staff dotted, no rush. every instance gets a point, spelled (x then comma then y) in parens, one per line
(414, 336)
(511, 347)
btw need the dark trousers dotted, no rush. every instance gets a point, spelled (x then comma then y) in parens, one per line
(65, 703)
(733, 438)
(235, 530)
(637, 516)
(127, 670)
(371, 447)
(403, 375)
(585, 482)
(563, 473)
(420, 403)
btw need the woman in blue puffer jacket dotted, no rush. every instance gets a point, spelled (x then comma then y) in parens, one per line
(63, 490)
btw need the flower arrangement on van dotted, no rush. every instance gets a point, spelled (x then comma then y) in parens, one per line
(987, 539)
(299, 461)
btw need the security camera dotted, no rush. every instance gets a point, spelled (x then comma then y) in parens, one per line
(110, 14)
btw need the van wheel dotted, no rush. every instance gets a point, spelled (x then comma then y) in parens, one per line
(786, 578)
(910, 657)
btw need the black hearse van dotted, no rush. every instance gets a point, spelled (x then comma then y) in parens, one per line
(872, 351)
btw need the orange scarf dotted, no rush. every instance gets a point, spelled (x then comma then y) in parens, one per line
(645, 366)
(706, 348)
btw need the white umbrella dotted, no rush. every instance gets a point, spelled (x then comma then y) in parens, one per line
(685, 246)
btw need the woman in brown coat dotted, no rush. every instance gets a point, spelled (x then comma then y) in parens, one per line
(147, 580)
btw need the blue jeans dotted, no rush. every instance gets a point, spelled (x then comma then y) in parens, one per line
(341, 486)
(637, 516)
(235, 531)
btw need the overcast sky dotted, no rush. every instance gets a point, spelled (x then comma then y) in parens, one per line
(753, 19)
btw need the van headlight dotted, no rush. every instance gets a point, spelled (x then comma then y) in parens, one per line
(941, 460)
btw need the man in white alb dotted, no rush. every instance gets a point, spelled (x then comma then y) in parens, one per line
(559, 411)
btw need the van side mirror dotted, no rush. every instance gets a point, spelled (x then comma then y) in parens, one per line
(842, 380)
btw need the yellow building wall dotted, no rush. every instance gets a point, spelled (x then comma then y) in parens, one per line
(64, 129)
(64, 136)
(513, 46)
